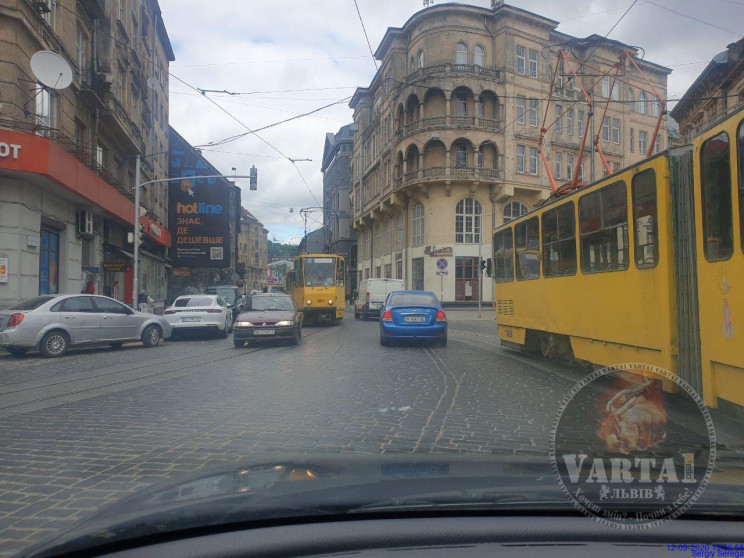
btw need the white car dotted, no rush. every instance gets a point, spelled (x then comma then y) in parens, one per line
(200, 312)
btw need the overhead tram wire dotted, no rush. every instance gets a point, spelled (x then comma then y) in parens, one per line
(693, 18)
(223, 109)
(369, 45)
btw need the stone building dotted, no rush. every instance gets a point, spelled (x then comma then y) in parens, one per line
(448, 131)
(252, 243)
(717, 92)
(66, 193)
(340, 237)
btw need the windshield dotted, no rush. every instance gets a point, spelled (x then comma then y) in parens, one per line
(319, 272)
(31, 303)
(333, 257)
(272, 303)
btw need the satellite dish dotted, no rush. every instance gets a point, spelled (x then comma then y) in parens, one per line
(51, 69)
(152, 83)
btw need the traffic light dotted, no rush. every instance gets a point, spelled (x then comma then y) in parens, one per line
(483, 265)
(138, 233)
(254, 178)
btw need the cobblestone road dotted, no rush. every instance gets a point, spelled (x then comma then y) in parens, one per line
(82, 431)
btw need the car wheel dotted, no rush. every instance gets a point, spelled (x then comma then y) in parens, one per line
(442, 342)
(116, 345)
(54, 344)
(224, 331)
(151, 336)
(364, 313)
(238, 343)
(17, 351)
(295, 340)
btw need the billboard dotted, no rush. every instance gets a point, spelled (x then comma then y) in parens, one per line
(199, 221)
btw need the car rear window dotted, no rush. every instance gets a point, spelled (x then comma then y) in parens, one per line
(31, 303)
(412, 300)
(194, 301)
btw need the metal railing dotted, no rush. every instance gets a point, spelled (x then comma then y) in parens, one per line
(456, 173)
(445, 69)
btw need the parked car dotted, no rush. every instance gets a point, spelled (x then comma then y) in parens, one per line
(53, 323)
(270, 316)
(372, 295)
(200, 312)
(413, 315)
(232, 294)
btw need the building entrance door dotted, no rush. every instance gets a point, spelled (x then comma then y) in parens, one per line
(466, 279)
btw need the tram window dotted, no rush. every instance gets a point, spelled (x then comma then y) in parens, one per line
(740, 155)
(715, 189)
(559, 241)
(503, 257)
(603, 224)
(527, 244)
(645, 219)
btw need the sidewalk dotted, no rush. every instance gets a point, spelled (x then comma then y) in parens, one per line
(488, 314)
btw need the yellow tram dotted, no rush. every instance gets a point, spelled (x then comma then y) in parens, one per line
(574, 280)
(316, 285)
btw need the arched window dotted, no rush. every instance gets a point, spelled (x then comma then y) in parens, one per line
(461, 53)
(468, 221)
(514, 209)
(656, 107)
(478, 55)
(420, 58)
(412, 67)
(642, 103)
(418, 224)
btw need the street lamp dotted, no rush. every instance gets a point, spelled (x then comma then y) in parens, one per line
(137, 187)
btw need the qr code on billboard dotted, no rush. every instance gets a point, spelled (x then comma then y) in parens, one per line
(216, 253)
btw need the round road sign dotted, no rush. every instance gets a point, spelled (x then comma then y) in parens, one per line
(442, 264)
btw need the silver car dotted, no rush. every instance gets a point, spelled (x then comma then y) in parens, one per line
(53, 323)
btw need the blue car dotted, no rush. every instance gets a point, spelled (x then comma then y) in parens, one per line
(413, 315)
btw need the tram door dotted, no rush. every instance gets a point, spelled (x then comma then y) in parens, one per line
(466, 278)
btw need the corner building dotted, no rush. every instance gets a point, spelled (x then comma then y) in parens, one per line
(448, 129)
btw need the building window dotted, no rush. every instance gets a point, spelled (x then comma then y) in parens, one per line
(378, 272)
(81, 52)
(715, 170)
(569, 166)
(462, 104)
(581, 170)
(81, 136)
(616, 131)
(642, 103)
(603, 225)
(478, 55)
(632, 140)
(606, 87)
(520, 110)
(559, 241)
(606, 129)
(479, 108)
(418, 224)
(399, 269)
(533, 160)
(461, 53)
(642, 142)
(49, 262)
(520, 158)
(417, 274)
(521, 53)
(119, 83)
(503, 256)
(580, 124)
(378, 241)
(461, 155)
(656, 107)
(533, 113)
(388, 236)
(657, 145)
(558, 119)
(514, 209)
(388, 271)
(644, 218)
(558, 164)
(121, 9)
(420, 58)
(570, 121)
(399, 231)
(46, 111)
(631, 99)
(533, 63)
(467, 221)
(49, 14)
(615, 92)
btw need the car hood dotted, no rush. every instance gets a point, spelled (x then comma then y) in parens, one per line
(266, 316)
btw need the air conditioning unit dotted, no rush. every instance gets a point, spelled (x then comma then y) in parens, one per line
(85, 223)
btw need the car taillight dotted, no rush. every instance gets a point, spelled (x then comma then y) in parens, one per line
(214, 311)
(367, 297)
(441, 316)
(387, 316)
(15, 319)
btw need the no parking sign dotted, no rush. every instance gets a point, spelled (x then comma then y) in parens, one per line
(442, 264)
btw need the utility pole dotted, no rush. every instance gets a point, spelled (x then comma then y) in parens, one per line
(136, 235)
(480, 270)
(591, 165)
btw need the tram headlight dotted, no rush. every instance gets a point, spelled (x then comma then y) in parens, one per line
(309, 302)
(330, 301)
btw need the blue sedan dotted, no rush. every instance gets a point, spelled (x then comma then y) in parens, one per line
(413, 315)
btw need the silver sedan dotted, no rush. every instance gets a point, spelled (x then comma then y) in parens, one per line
(53, 323)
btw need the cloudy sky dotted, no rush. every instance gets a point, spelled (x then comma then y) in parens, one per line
(287, 57)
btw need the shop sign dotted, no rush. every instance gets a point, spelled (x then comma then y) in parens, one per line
(438, 251)
(155, 230)
(116, 267)
(9, 150)
(3, 270)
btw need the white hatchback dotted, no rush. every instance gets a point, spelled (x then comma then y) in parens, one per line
(200, 312)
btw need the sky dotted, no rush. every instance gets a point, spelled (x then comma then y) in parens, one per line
(287, 57)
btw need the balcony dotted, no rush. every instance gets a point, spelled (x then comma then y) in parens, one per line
(441, 173)
(94, 8)
(121, 125)
(93, 88)
(469, 70)
(448, 123)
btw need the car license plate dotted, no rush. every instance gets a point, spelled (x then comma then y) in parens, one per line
(415, 319)
(264, 332)
(191, 319)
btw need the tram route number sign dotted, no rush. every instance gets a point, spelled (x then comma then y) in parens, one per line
(442, 264)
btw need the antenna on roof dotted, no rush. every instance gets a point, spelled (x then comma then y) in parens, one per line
(428, 3)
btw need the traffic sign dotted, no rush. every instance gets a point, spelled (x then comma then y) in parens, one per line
(442, 264)
(442, 272)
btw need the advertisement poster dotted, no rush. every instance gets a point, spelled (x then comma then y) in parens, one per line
(3, 270)
(199, 223)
